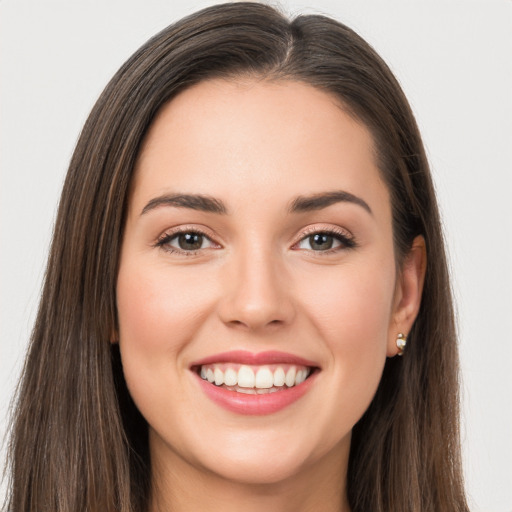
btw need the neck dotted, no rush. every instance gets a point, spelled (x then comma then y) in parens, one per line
(179, 486)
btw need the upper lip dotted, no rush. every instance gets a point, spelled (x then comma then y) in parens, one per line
(252, 358)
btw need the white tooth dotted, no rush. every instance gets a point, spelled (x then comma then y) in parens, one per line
(230, 377)
(245, 377)
(279, 377)
(247, 391)
(290, 377)
(264, 378)
(203, 373)
(219, 377)
(300, 377)
(209, 375)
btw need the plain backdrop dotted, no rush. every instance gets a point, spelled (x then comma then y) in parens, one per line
(454, 61)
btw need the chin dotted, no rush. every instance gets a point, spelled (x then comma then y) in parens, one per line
(271, 461)
(257, 471)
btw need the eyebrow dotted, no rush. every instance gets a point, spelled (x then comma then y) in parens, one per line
(210, 204)
(192, 201)
(325, 199)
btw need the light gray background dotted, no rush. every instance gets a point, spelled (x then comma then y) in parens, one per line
(454, 60)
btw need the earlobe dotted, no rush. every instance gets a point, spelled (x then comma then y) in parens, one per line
(409, 289)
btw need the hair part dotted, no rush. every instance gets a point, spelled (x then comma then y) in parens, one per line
(78, 441)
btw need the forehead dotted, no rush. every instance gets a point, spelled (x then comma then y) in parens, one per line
(256, 139)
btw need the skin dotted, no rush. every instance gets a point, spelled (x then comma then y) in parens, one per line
(258, 284)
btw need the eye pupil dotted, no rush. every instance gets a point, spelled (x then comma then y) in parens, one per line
(321, 241)
(190, 241)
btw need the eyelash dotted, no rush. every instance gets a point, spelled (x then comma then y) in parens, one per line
(347, 242)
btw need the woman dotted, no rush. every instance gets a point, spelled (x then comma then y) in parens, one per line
(247, 241)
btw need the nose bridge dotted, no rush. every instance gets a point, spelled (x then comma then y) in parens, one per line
(258, 293)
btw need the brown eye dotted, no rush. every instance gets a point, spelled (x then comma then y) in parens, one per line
(321, 241)
(190, 241)
(326, 241)
(185, 242)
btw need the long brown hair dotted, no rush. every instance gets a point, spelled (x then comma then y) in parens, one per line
(78, 442)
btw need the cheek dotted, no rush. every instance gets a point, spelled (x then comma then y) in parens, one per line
(352, 304)
(156, 318)
(159, 312)
(156, 311)
(352, 310)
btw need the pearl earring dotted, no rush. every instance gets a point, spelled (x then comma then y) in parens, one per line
(401, 341)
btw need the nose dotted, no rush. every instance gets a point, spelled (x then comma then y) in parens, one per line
(258, 292)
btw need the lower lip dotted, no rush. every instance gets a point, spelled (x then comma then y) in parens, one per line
(266, 403)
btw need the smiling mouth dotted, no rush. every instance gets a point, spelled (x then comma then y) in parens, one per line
(254, 379)
(249, 383)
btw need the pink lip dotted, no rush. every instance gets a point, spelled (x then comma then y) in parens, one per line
(259, 358)
(255, 404)
(267, 403)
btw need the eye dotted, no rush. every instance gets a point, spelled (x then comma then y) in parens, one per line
(187, 242)
(326, 241)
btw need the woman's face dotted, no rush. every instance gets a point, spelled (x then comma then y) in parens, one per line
(258, 246)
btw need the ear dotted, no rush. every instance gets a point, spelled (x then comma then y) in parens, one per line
(408, 291)
(114, 336)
